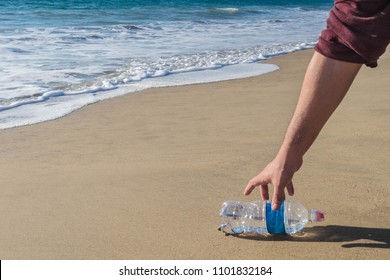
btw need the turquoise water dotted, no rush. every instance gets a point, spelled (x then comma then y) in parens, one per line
(57, 56)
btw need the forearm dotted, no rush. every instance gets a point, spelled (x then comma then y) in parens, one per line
(325, 85)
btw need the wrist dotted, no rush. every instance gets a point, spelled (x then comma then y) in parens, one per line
(289, 159)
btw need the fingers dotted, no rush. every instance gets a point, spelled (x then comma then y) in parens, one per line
(278, 198)
(264, 192)
(279, 195)
(251, 185)
(255, 182)
(263, 179)
(290, 188)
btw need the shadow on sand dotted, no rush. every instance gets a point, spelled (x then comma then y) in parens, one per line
(358, 236)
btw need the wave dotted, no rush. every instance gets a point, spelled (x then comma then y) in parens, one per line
(144, 69)
(84, 56)
(56, 104)
(227, 10)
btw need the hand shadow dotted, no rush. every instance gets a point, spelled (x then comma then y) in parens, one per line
(332, 233)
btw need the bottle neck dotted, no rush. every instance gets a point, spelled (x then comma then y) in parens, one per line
(316, 215)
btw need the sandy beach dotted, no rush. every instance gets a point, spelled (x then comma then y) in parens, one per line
(143, 176)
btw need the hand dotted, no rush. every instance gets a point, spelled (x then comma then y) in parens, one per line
(280, 176)
(325, 85)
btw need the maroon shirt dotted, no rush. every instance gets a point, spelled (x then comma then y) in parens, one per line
(357, 31)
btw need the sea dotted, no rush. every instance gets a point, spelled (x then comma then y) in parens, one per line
(58, 56)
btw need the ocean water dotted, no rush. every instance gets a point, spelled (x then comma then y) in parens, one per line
(58, 56)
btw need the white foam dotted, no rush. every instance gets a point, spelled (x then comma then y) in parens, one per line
(58, 104)
(228, 10)
(52, 67)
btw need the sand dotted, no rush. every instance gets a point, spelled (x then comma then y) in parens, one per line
(143, 176)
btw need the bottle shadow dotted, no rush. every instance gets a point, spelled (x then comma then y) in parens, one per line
(359, 236)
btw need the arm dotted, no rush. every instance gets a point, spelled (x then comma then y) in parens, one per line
(325, 84)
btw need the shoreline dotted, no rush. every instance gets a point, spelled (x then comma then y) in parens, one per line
(232, 72)
(143, 176)
(156, 83)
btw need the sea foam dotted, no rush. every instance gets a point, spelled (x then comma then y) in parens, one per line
(57, 58)
(56, 104)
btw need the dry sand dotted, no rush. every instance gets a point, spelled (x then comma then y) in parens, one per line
(143, 176)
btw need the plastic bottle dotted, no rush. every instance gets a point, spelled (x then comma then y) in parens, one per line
(258, 217)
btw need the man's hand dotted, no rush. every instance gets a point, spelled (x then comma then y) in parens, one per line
(325, 85)
(280, 176)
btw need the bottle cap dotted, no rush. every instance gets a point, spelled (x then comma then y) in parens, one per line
(316, 216)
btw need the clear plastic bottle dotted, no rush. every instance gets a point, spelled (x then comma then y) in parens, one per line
(258, 217)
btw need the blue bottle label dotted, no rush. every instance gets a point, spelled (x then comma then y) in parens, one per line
(275, 219)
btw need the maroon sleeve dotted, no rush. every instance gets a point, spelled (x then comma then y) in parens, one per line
(357, 31)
